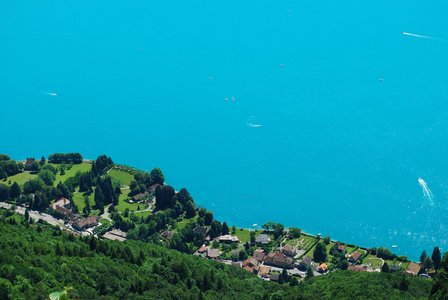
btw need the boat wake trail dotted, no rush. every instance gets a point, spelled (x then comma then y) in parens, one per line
(426, 191)
(422, 36)
(249, 123)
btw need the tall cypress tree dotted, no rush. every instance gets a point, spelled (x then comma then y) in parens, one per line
(436, 258)
(99, 198)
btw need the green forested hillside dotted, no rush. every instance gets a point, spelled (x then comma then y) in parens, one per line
(37, 260)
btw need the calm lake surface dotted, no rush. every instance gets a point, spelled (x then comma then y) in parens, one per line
(338, 152)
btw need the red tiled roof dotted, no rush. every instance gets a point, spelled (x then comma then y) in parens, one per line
(357, 269)
(355, 255)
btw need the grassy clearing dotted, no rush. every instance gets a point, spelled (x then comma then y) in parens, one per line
(124, 194)
(180, 225)
(84, 167)
(20, 178)
(243, 235)
(405, 264)
(78, 198)
(376, 262)
(122, 205)
(350, 249)
(94, 212)
(124, 177)
(104, 222)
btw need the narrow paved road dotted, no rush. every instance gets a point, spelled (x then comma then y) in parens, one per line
(106, 214)
(37, 215)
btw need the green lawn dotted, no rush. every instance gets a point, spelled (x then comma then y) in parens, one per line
(180, 225)
(122, 205)
(84, 167)
(94, 212)
(20, 178)
(244, 235)
(104, 222)
(124, 177)
(376, 262)
(350, 249)
(78, 198)
(331, 244)
(139, 215)
(124, 194)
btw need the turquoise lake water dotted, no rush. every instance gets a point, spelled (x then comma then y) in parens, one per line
(339, 152)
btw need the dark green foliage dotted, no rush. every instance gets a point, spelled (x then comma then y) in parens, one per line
(428, 263)
(35, 167)
(15, 190)
(326, 240)
(109, 195)
(33, 264)
(157, 176)
(320, 253)
(440, 287)
(164, 197)
(208, 219)
(423, 257)
(385, 253)
(385, 268)
(278, 230)
(404, 285)
(32, 186)
(50, 168)
(47, 177)
(183, 196)
(4, 192)
(101, 165)
(309, 272)
(242, 255)
(58, 158)
(4, 157)
(99, 198)
(10, 167)
(295, 232)
(436, 258)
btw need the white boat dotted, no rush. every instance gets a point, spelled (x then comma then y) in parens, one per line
(255, 225)
(394, 246)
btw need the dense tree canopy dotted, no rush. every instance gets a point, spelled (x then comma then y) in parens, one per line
(164, 197)
(436, 258)
(320, 253)
(58, 158)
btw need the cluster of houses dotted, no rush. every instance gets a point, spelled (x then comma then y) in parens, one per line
(143, 197)
(63, 206)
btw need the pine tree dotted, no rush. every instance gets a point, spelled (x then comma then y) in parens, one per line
(385, 268)
(293, 282)
(423, 257)
(15, 190)
(225, 228)
(99, 198)
(27, 215)
(309, 272)
(404, 285)
(436, 258)
(58, 250)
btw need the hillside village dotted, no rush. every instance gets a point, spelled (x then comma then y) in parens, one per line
(139, 205)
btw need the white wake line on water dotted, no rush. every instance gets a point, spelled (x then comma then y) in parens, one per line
(250, 123)
(423, 36)
(426, 191)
